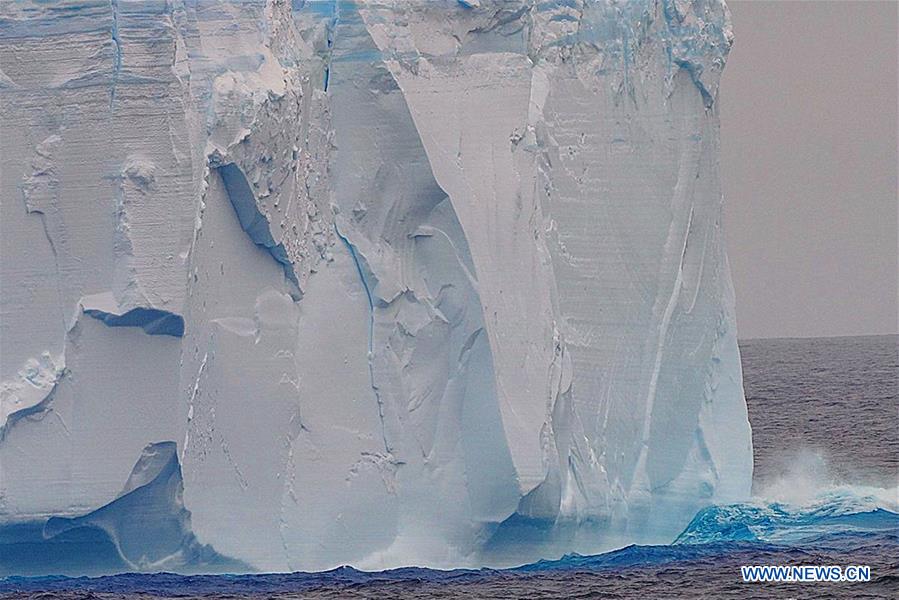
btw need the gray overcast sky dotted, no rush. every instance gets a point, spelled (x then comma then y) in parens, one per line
(808, 107)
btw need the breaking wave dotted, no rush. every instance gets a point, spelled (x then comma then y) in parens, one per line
(838, 511)
(838, 518)
(802, 504)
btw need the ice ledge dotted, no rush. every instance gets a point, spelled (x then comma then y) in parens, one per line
(30, 390)
(153, 321)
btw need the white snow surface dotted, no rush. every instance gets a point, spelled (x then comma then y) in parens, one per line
(434, 283)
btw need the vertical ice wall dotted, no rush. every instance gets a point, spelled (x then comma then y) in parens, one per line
(438, 283)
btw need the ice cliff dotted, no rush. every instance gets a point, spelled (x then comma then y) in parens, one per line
(379, 283)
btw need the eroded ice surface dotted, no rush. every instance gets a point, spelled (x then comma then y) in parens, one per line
(145, 528)
(437, 283)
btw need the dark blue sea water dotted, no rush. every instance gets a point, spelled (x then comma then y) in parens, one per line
(825, 418)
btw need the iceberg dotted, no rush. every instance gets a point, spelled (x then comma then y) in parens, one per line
(379, 284)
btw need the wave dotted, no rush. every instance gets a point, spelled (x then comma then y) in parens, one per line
(837, 518)
(837, 511)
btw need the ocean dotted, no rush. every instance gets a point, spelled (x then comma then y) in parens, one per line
(825, 420)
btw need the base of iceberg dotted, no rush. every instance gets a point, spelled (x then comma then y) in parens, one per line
(147, 529)
(841, 525)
